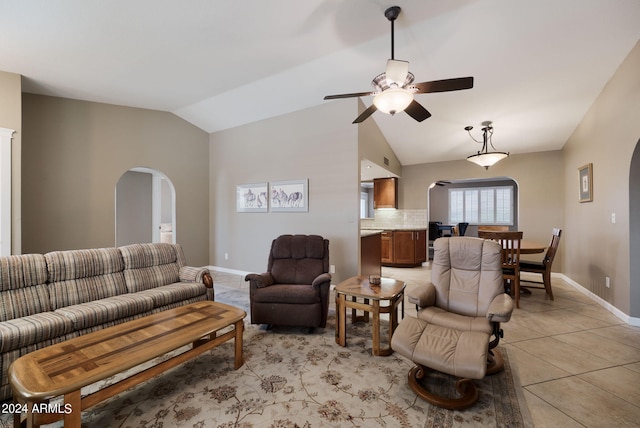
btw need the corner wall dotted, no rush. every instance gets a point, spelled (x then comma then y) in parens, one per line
(606, 137)
(318, 143)
(74, 153)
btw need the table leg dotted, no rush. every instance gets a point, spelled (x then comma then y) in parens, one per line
(17, 423)
(375, 325)
(393, 317)
(341, 324)
(354, 313)
(73, 401)
(337, 317)
(239, 358)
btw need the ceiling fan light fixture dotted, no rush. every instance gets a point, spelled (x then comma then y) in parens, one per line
(393, 100)
(394, 89)
(484, 157)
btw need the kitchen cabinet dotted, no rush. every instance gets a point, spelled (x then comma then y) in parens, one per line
(386, 247)
(405, 247)
(385, 192)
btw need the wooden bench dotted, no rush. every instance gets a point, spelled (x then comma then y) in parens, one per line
(64, 368)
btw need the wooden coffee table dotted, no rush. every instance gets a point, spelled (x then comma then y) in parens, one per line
(64, 368)
(370, 296)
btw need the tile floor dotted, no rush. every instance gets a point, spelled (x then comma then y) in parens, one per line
(579, 365)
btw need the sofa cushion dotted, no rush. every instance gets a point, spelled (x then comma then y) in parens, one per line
(32, 329)
(90, 314)
(22, 286)
(285, 293)
(173, 293)
(80, 276)
(149, 266)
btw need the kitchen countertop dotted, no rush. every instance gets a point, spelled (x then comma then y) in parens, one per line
(368, 232)
(364, 231)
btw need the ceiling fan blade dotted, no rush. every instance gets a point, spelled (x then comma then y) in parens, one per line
(365, 114)
(445, 85)
(396, 71)
(416, 111)
(357, 94)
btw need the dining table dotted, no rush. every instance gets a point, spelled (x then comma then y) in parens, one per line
(531, 247)
(526, 246)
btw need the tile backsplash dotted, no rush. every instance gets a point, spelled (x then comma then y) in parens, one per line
(396, 219)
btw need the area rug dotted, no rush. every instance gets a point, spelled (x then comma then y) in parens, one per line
(292, 378)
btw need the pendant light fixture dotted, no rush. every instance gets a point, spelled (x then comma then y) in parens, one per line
(484, 157)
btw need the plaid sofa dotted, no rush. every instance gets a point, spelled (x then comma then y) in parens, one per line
(45, 299)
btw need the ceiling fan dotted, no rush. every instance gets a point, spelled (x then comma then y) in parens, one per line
(394, 89)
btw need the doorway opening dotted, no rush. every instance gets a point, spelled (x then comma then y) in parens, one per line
(490, 201)
(145, 207)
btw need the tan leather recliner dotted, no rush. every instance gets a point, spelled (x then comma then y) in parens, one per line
(459, 316)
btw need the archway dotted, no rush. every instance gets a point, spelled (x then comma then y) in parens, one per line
(634, 233)
(145, 207)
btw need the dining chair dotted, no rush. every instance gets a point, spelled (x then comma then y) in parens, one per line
(462, 228)
(510, 243)
(543, 267)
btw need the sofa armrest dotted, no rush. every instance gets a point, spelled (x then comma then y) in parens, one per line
(500, 308)
(194, 274)
(321, 279)
(422, 296)
(259, 280)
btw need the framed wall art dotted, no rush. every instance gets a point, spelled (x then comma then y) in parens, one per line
(252, 198)
(586, 182)
(292, 195)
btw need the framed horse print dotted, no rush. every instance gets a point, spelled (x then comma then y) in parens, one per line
(289, 196)
(252, 198)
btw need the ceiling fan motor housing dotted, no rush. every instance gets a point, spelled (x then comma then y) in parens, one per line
(392, 13)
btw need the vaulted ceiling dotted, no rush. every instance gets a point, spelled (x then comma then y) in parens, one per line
(538, 65)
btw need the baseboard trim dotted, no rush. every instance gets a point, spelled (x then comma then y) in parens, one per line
(227, 270)
(633, 321)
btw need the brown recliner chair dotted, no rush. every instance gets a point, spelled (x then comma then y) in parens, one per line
(295, 289)
(458, 314)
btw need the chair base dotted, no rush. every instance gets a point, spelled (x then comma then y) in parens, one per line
(495, 362)
(465, 387)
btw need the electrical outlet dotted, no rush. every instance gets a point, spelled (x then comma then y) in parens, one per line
(226, 256)
(607, 282)
(613, 218)
(332, 269)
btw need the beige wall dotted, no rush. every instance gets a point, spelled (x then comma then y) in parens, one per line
(373, 146)
(606, 137)
(320, 144)
(74, 153)
(11, 118)
(538, 175)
